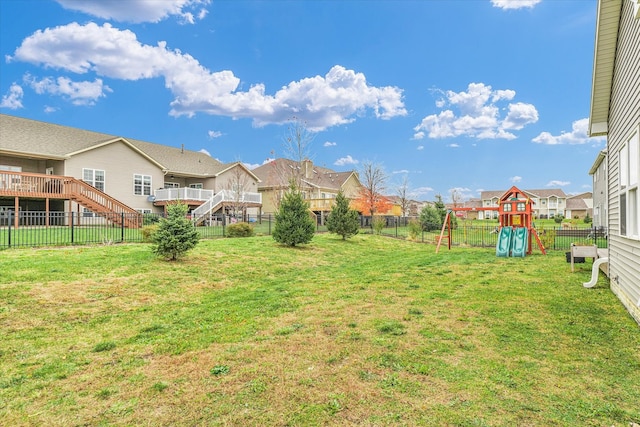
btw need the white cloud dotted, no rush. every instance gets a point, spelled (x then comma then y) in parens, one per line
(321, 101)
(346, 161)
(329, 144)
(477, 116)
(420, 192)
(140, 10)
(214, 134)
(557, 183)
(464, 192)
(515, 179)
(420, 147)
(13, 99)
(404, 171)
(514, 4)
(520, 115)
(48, 109)
(454, 145)
(80, 93)
(251, 166)
(579, 135)
(202, 150)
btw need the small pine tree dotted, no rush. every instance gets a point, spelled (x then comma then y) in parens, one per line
(430, 218)
(176, 234)
(343, 220)
(293, 224)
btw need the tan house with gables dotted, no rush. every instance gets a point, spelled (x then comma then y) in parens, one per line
(319, 185)
(51, 168)
(546, 203)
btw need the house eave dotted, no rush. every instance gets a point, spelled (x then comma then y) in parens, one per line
(606, 39)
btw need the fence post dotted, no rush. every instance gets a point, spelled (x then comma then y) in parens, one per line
(122, 227)
(396, 227)
(10, 221)
(224, 222)
(71, 227)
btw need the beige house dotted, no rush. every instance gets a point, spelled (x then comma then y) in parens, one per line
(579, 206)
(546, 203)
(598, 174)
(319, 185)
(615, 112)
(48, 168)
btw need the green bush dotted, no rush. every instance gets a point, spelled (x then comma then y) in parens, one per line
(150, 219)
(342, 220)
(294, 224)
(548, 238)
(239, 229)
(148, 231)
(378, 223)
(558, 219)
(175, 234)
(414, 229)
(587, 219)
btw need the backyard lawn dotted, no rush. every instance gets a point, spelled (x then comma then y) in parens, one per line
(371, 331)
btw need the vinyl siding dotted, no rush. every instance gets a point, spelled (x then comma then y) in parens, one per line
(624, 118)
(120, 163)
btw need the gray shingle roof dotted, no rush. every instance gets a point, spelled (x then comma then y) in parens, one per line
(47, 140)
(322, 177)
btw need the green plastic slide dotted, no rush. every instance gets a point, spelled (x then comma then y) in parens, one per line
(520, 243)
(503, 247)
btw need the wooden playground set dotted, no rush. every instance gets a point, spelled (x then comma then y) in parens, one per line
(516, 232)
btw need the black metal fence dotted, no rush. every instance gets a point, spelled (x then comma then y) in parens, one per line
(36, 229)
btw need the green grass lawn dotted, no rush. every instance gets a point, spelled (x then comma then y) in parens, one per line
(371, 331)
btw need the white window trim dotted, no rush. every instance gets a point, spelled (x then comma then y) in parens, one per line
(142, 185)
(632, 210)
(93, 179)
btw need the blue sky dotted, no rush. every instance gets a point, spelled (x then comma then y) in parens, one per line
(453, 94)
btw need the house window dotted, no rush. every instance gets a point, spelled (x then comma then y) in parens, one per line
(507, 207)
(521, 207)
(171, 185)
(629, 161)
(142, 185)
(143, 211)
(94, 177)
(199, 186)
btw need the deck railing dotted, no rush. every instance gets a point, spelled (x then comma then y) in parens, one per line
(183, 193)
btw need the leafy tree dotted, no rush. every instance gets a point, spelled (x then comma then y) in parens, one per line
(587, 219)
(343, 220)
(175, 234)
(430, 218)
(293, 223)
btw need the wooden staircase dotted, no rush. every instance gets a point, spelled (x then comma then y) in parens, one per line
(34, 185)
(102, 204)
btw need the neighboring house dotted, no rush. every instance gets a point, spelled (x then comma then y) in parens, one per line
(471, 209)
(546, 203)
(47, 167)
(598, 173)
(579, 206)
(319, 185)
(615, 112)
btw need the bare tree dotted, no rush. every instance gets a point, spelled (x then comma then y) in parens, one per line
(456, 197)
(374, 180)
(297, 145)
(292, 169)
(237, 185)
(402, 191)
